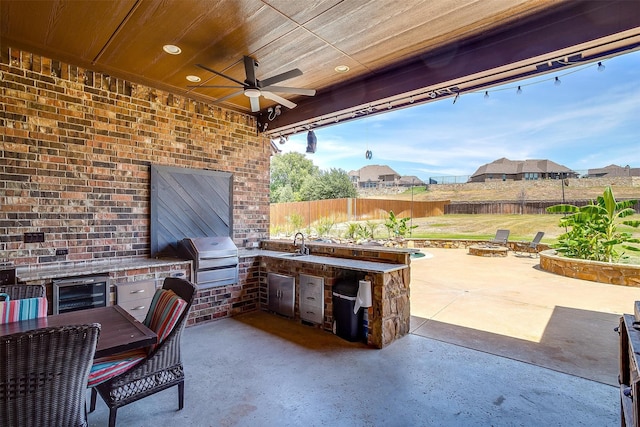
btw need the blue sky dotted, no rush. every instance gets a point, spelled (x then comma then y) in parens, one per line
(590, 120)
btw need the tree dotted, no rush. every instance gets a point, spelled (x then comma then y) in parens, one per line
(289, 170)
(332, 184)
(593, 234)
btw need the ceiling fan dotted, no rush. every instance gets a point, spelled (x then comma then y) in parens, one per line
(254, 88)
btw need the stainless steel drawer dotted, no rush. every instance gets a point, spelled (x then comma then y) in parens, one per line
(135, 297)
(218, 277)
(311, 298)
(137, 308)
(312, 313)
(135, 291)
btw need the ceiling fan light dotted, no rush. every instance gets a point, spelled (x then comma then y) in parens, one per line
(252, 92)
(194, 79)
(172, 49)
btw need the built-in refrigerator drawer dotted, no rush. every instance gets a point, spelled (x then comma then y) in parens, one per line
(80, 293)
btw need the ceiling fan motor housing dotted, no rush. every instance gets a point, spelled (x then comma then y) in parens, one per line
(253, 88)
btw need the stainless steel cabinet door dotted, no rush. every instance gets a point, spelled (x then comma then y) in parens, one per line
(282, 292)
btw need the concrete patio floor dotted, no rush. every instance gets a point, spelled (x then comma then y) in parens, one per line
(512, 308)
(494, 342)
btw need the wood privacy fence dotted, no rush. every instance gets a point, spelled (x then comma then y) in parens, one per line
(351, 209)
(510, 207)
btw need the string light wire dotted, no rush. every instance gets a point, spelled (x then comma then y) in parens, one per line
(556, 78)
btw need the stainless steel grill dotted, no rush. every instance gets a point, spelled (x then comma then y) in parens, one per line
(215, 260)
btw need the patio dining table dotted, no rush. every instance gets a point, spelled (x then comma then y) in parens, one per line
(119, 330)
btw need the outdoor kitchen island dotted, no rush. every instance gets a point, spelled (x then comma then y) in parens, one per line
(386, 268)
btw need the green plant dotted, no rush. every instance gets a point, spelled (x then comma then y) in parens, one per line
(369, 229)
(593, 234)
(397, 227)
(275, 230)
(324, 226)
(295, 222)
(351, 231)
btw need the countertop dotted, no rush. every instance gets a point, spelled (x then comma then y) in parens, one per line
(81, 268)
(346, 263)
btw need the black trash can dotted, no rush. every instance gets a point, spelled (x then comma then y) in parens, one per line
(347, 325)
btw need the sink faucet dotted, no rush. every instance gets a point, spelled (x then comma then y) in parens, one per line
(303, 249)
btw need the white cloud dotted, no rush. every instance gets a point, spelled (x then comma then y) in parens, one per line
(589, 121)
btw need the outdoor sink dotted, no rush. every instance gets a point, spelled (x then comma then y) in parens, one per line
(292, 255)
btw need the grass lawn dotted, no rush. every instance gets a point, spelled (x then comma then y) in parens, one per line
(521, 227)
(481, 227)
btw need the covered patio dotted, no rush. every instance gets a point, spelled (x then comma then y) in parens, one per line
(495, 341)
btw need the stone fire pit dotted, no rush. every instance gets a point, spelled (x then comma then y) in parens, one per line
(480, 250)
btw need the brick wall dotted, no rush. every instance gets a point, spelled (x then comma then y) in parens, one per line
(76, 150)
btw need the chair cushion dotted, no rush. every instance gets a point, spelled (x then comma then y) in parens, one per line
(22, 309)
(105, 368)
(164, 312)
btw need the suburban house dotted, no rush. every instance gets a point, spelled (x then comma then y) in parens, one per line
(409, 181)
(374, 176)
(613, 171)
(521, 170)
(380, 176)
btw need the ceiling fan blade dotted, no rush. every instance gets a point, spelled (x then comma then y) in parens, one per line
(280, 77)
(204, 67)
(294, 90)
(255, 104)
(250, 70)
(278, 99)
(240, 92)
(212, 86)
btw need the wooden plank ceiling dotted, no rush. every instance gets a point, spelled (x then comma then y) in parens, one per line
(398, 52)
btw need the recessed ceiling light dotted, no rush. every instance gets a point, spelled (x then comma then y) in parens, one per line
(194, 79)
(172, 49)
(341, 69)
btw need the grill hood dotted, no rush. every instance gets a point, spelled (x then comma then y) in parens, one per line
(211, 247)
(215, 260)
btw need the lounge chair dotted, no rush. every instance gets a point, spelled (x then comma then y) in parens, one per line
(529, 248)
(501, 238)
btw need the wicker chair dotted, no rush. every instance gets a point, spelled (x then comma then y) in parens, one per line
(44, 374)
(23, 291)
(161, 369)
(25, 302)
